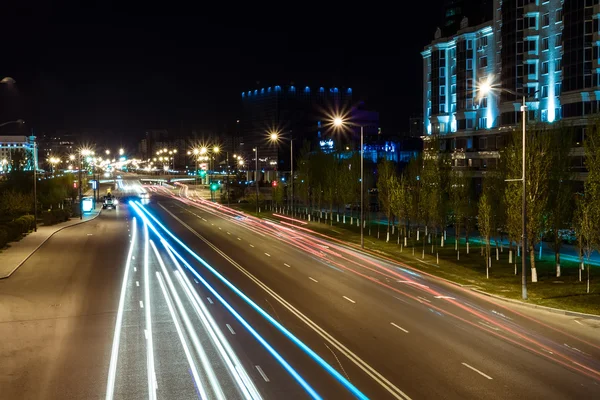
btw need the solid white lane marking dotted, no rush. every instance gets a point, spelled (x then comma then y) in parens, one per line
(349, 299)
(145, 334)
(262, 373)
(251, 245)
(267, 254)
(141, 304)
(209, 300)
(230, 329)
(137, 283)
(423, 298)
(239, 239)
(399, 327)
(578, 322)
(313, 279)
(476, 370)
(287, 265)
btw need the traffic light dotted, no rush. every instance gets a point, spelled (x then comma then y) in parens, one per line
(274, 183)
(214, 186)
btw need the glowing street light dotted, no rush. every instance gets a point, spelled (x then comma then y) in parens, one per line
(107, 152)
(121, 152)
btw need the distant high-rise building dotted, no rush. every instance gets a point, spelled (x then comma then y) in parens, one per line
(415, 128)
(476, 12)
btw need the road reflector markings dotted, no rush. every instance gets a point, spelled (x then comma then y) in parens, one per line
(251, 245)
(313, 279)
(137, 283)
(267, 254)
(209, 300)
(349, 299)
(141, 304)
(287, 265)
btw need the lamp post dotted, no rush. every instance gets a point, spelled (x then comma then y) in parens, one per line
(256, 175)
(274, 137)
(34, 186)
(216, 150)
(82, 153)
(339, 122)
(485, 88)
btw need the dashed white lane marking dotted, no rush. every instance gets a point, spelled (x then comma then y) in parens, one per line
(228, 233)
(90, 234)
(262, 373)
(251, 245)
(576, 349)
(209, 300)
(230, 329)
(141, 304)
(146, 334)
(220, 228)
(137, 283)
(399, 327)
(287, 265)
(195, 280)
(476, 370)
(212, 224)
(578, 322)
(445, 297)
(134, 269)
(133, 257)
(313, 279)
(267, 254)
(423, 298)
(203, 220)
(547, 351)
(349, 299)
(239, 239)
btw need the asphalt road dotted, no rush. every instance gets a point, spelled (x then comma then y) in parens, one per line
(233, 307)
(390, 331)
(57, 313)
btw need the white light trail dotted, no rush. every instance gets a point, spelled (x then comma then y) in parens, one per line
(206, 364)
(152, 385)
(114, 356)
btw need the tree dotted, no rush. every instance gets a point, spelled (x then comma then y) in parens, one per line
(433, 189)
(386, 181)
(400, 200)
(538, 164)
(459, 190)
(587, 229)
(304, 174)
(277, 194)
(14, 204)
(560, 207)
(485, 226)
(413, 186)
(331, 173)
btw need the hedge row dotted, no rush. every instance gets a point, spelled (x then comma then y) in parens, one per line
(55, 216)
(15, 229)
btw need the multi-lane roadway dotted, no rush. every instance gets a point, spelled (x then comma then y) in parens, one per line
(196, 300)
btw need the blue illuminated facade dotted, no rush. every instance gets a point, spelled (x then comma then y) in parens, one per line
(11, 144)
(545, 49)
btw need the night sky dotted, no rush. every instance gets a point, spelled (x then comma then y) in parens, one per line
(101, 68)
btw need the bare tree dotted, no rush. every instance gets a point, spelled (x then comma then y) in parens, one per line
(485, 227)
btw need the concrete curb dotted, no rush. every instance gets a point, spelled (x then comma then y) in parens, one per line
(540, 307)
(45, 240)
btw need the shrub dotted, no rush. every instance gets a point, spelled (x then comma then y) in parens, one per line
(60, 215)
(3, 237)
(48, 218)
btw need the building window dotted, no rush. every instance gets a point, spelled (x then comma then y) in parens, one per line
(557, 88)
(544, 91)
(469, 103)
(545, 67)
(558, 64)
(469, 123)
(469, 45)
(442, 108)
(545, 45)
(557, 113)
(483, 123)
(483, 62)
(483, 103)
(531, 70)
(544, 115)
(442, 72)
(530, 22)
(442, 90)
(558, 39)
(531, 45)
(452, 89)
(482, 143)
(559, 15)
(469, 64)
(545, 20)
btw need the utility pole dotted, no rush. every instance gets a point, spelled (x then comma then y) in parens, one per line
(80, 184)
(256, 176)
(34, 186)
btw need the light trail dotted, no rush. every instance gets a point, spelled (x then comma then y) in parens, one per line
(206, 364)
(114, 356)
(152, 385)
(143, 213)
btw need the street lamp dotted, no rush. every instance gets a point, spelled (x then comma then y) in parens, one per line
(274, 136)
(256, 175)
(121, 152)
(486, 87)
(339, 122)
(18, 121)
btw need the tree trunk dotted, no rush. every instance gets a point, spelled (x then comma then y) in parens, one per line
(588, 276)
(532, 260)
(557, 258)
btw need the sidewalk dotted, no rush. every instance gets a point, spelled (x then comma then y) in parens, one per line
(17, 253)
